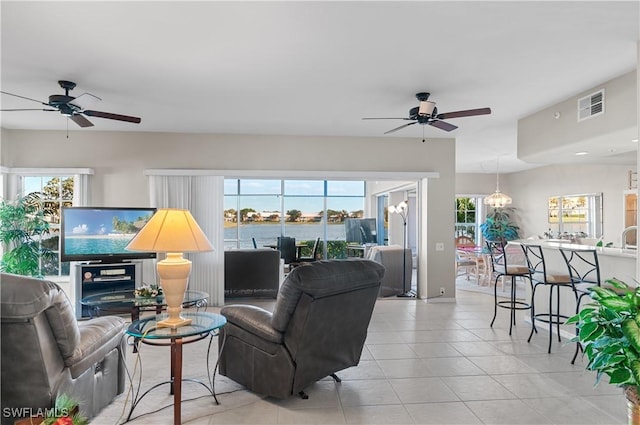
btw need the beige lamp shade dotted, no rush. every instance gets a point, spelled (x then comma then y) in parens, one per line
(171, 230)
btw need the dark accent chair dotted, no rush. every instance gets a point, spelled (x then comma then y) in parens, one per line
(314, 253)
(318, 327)
(251, 273)
(46, 353)
(287, 247)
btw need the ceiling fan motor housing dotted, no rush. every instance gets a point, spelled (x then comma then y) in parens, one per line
(63, 103)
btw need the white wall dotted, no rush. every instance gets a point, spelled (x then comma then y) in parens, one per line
(534, 187)
(546, 139)
(120, 158)
(531, 189)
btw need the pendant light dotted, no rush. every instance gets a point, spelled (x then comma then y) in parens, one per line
(497, 199)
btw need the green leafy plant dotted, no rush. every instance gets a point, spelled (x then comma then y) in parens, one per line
(22, 225)
(498, 225)
(148, 291)
(65, 413)
(609, 331)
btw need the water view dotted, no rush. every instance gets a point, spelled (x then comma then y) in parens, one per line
(267, 233)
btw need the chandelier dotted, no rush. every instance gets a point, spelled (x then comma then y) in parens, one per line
(497, 199)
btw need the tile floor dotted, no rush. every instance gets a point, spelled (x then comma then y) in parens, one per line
(423, 363)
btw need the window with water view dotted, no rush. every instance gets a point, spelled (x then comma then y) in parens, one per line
(260, 210)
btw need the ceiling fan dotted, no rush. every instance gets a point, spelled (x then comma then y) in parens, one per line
(427, 113)
(66, 106)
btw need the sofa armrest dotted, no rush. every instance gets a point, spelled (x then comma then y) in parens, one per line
(252, 319)
(97, 338)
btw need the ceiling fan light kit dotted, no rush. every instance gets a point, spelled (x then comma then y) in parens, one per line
(427, 113)
(63, 103)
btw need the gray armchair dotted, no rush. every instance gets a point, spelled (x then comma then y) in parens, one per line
(391, 257)
(45, 352)
(318, 327)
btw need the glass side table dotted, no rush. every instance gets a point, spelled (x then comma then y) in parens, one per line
(203, 325)
(125, 302)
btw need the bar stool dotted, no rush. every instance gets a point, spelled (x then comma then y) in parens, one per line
(500, 267)
(540, 276)
(584, 271)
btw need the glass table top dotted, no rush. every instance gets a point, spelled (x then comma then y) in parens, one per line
(127, 298)
(202, 322)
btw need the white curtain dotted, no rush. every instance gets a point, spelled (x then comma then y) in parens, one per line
(203, 196)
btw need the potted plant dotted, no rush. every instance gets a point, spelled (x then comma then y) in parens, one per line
(22, 225)
(609, 331)
(498, 225)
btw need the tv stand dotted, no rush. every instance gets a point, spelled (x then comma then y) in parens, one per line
(95, 278)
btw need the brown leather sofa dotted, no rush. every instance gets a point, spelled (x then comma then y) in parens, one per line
(251, 273)
(45, 352)
(318, 327)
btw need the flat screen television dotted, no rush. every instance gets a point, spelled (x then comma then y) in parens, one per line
(361, 230)
(100, 234)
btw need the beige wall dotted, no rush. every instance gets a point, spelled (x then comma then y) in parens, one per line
(119, 160)
(480, 184)
(531, 189)
(534, 187)
(545, 139)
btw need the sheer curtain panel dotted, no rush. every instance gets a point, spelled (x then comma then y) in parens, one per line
(203, 196)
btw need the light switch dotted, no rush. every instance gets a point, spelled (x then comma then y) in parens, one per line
(439, 246)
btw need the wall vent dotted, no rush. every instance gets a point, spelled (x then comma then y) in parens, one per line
(591, 105)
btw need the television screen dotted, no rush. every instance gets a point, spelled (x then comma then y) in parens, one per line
(361, 230)
(101, 233)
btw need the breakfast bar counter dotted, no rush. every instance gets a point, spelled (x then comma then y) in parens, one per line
(613, 262)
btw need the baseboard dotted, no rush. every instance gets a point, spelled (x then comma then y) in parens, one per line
(439, 299)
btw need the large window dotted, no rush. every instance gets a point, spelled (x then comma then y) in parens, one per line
(260, 210)
(54, 192)
(574, 216)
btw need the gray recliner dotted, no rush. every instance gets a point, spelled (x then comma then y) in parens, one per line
(45, 352)
(318, 327)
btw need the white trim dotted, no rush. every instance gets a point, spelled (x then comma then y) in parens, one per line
(4, 170)
(47, 171)
(324, 175)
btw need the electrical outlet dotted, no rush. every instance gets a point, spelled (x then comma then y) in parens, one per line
(439, 246)
(441, 291)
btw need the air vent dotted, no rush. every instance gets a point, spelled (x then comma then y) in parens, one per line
(591, 105)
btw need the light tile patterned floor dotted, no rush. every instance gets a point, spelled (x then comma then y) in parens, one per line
(422, 364)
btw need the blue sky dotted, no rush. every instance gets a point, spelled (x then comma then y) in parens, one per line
(303, 195)
(89, 221)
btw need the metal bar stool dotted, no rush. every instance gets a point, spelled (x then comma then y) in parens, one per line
(584, 271)
(540, 276)
(500, 266)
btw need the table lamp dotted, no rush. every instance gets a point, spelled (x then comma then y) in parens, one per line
(172, 231)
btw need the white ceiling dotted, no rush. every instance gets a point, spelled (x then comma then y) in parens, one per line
(314, 68)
